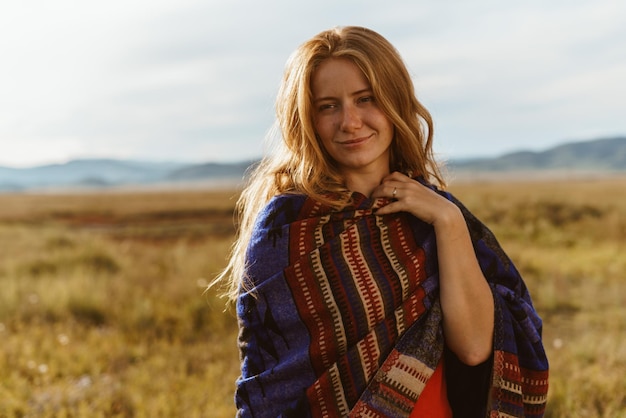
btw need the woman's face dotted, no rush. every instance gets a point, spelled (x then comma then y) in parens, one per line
(347, 119)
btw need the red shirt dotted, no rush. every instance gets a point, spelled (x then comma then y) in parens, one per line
(433, 401)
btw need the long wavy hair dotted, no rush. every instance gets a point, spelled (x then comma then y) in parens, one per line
(299, 164)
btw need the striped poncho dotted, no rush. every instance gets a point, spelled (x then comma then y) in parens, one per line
(343, 317)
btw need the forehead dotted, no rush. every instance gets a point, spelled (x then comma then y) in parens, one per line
(338, 75)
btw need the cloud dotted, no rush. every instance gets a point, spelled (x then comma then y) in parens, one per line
(527, 76)
(195, 80)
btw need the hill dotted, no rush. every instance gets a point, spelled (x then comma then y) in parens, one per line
(84, 173)
(601, 154)
(209, 170)
(98, 173)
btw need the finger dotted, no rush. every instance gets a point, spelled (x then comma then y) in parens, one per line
(388, 189)
(393, 207)
(396, 176)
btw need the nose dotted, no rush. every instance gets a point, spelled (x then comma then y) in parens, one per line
(351, 119)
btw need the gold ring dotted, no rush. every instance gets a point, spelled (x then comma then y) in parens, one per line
(393, 194)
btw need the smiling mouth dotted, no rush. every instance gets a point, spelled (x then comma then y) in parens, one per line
(355, 140)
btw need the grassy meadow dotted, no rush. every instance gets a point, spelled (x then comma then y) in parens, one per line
(103, 311)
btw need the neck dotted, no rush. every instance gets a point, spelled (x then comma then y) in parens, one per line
(364, 183)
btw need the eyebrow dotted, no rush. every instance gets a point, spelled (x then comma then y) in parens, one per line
(356, 93)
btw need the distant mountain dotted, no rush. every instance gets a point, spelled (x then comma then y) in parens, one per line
(209, 170)
(85, 173)
(98, 173)
(600, 154)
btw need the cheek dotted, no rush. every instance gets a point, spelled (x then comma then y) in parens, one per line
(387, 126)
(320, 134)
(324, 130)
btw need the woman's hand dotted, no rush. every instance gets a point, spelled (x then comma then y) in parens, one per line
(411, 196)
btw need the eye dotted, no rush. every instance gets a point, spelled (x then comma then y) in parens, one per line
(366, 99)
(326, 107)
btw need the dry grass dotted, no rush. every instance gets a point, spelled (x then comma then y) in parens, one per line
(102, 310)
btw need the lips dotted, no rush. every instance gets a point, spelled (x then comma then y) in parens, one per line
(354, 141)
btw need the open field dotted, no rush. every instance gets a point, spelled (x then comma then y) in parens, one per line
(102, 310)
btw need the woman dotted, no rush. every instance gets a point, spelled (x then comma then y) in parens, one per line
(362, 288)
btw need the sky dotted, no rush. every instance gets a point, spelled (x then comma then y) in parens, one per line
(195, 81)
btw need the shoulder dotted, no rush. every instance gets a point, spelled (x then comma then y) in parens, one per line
(440, 191)
(268, 247)
(280, 210)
